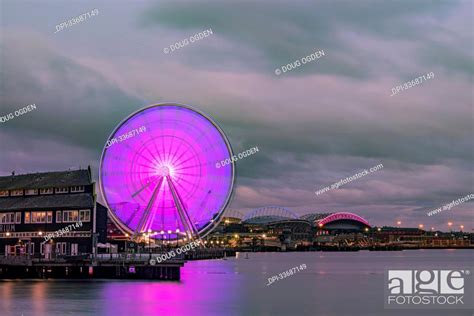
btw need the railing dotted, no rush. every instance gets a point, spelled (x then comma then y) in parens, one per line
(133, 256)
(169, 256)
(14, 260)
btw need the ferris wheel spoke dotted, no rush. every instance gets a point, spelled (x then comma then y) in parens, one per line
(175, 160)
(183, 214)
(141, 189)
(196, 155)
(172, 137)
(146, 212)
(136, 152)
(148, 149)
(196, 141)
(152, 140)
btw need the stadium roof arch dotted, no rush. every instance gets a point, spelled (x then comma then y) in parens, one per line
(341, 216)
(269, 214)
(233, 214)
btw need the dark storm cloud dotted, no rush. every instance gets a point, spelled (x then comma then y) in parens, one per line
(76, 106)
(280, 33)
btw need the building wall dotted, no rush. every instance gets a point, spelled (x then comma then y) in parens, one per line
(65, 229)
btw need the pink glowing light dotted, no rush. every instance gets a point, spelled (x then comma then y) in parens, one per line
(342, 216)
(165, 177)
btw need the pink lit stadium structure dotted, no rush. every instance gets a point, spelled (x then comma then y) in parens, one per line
(343, 216)
(164, 179)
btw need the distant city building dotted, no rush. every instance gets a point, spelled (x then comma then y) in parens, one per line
(280, 228)
(33, 206)
(339, 222)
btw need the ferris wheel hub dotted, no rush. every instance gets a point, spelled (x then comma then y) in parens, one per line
(163, 171)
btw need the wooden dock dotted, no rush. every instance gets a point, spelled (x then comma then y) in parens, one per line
(104, 266)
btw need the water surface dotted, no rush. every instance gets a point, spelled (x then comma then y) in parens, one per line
(345, 283)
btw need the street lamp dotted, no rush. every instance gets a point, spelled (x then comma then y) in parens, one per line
(169, 237)
(177, 237)
(450, 224)
(421, 226)
(149, 244)
(462, 227)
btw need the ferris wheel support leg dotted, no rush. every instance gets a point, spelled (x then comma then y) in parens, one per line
(183, 214)
(147, 211)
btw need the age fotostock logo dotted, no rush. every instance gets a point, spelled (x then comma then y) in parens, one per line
(428, 288)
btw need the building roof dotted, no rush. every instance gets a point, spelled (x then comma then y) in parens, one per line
(46, 180)
(314, 216)
(80, 200)
(266, 219)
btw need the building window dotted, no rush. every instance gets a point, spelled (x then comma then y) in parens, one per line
(17, 192)
(79, 188)
(49, 217)
(3, 193)
(46, 191)
(58, 217)
(61, 248)
(61, 190)
(70, 216)
(27, 217)
(7, 218)
(31, 192)
(32, 248)
(18, 218)
(74, 249)
(38, 217)
(85, 215)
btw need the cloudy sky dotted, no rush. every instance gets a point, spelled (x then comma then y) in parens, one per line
(314, 125)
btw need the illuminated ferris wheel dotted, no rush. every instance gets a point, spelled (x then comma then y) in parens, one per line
(158, 172)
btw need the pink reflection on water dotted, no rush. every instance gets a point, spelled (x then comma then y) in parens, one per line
(204, 289)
